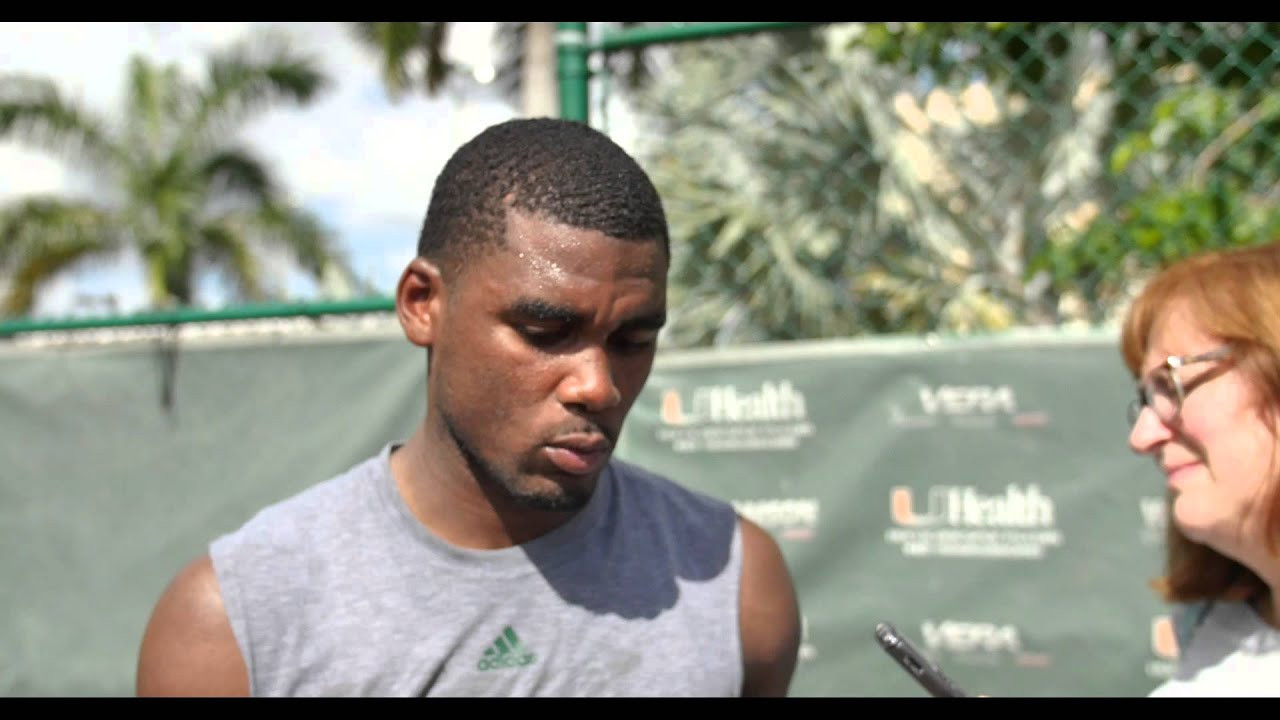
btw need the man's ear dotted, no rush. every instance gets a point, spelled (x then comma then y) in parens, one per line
(420, 301)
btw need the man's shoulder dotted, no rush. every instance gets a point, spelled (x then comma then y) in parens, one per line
(298, 516)
(298, 546)
(663, 488)
(684, 531)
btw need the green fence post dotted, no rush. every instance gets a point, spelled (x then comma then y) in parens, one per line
(571, 51)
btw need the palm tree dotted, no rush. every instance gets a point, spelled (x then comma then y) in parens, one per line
(172, 181)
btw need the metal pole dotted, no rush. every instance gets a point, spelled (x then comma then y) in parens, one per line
(681, 32)
(571, 49)
(189, 315)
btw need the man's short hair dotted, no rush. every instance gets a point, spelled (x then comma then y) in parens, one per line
(558, 170)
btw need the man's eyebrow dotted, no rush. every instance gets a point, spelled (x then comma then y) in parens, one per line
(543, 311)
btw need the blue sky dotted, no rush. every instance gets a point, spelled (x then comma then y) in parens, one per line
(363, 163)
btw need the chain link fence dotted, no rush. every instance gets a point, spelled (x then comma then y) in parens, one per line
(844, 179)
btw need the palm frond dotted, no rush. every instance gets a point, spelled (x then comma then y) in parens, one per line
(154, 98)
(252, 76)
(437, 68)
(236, 171)
(300, 233)
(40, 237)
(410, 54)
(36, 225)
(314, 248)
(34, 111)
(31, 275)
(224, 245)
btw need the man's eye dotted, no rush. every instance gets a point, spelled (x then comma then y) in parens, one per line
(542, 336)
(636, 342)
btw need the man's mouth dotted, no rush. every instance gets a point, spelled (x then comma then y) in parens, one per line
(579, 454)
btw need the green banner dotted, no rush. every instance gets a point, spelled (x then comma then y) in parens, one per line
(976, 494)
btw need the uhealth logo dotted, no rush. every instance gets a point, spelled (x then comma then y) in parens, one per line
(967, 506)
(726, 418)
(963, 521)
(726, 404)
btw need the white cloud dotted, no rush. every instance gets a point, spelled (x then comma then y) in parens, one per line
(27, 172)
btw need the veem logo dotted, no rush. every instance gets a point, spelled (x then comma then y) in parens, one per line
(726, 404)
(965, 506)
(958, 636)
(967, 399)
(973, 406)
(979, 642)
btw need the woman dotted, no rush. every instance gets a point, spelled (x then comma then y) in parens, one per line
(1203, 341)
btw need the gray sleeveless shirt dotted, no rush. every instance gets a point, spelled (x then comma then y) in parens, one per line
(340, 591)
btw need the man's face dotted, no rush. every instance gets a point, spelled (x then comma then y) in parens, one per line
(542, 347)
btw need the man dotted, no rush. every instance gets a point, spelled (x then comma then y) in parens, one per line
(501, 549)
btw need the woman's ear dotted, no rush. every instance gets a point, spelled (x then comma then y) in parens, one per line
(420, 301)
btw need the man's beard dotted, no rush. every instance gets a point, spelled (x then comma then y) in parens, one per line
(557, 499)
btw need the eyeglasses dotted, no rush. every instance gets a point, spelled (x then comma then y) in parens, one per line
(1163, 390)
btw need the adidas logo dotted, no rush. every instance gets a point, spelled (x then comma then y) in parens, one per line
(506, 652)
